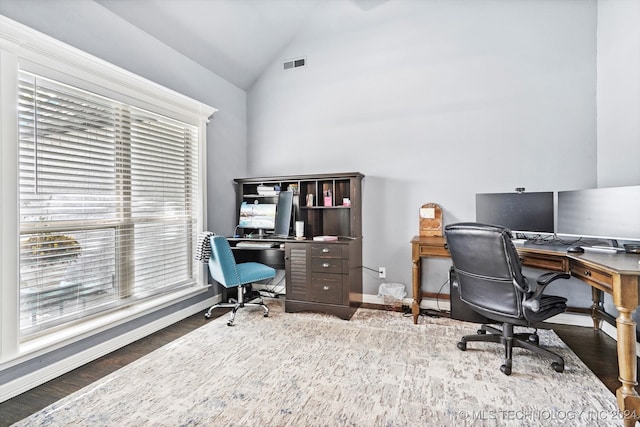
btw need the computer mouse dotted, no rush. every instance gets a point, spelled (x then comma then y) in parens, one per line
(575, 249)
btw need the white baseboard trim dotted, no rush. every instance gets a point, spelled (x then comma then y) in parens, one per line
(612, 332)
(566, 318)
(39, 377)
(427, 303)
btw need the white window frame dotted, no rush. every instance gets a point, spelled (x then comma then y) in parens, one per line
(27, 49)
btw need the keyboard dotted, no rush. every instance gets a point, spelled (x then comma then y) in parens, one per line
(604, 249)
(255, 245)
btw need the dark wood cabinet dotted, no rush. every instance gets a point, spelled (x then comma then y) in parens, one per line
(323, 276)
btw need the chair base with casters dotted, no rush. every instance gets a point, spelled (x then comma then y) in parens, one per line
(238, 303)
(224, 269)
(506, 336)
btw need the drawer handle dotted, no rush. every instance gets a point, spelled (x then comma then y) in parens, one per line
(326, 288)
(325, 250)
(325, 265)
(587, 273)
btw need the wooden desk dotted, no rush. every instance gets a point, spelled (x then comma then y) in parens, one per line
(615, 274)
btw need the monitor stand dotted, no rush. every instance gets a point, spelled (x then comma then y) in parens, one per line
(614, 244)
(614, 247)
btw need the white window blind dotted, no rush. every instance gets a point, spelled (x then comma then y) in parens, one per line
(108, 198)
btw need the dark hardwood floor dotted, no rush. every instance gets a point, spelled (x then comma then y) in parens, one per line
(596, 349)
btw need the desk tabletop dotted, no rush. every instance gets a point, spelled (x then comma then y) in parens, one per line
(620, 263)
(428, 240)
(542, 248)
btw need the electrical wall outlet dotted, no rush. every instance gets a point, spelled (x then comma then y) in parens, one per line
(382, 272)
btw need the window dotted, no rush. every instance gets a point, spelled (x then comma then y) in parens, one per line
(108, 202)
(103, 196)
(103, 184)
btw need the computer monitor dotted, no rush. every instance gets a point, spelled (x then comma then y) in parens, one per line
(283, 214)
(261, 216)
(610, 213)
(526, 212)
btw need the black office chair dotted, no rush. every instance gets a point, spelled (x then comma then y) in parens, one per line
(491, 282)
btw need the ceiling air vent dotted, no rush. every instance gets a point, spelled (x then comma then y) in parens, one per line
(294, 63)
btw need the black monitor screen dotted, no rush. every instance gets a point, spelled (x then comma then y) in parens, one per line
(526, 212)
(612, 213)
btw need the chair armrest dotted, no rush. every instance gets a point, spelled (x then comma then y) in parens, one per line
(532, 301)
(546, 278)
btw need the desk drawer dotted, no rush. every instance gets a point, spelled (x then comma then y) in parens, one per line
(330, 265)
(545, 262)
(327, 288)
(319, 250)
(598, 278)
(433, 250)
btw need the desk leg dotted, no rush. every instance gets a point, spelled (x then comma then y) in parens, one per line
(625, 295)
(417, 288)
(596, 307)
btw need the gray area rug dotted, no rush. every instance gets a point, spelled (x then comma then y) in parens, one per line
(309, 369)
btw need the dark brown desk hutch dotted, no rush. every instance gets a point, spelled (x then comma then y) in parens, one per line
(323, 276)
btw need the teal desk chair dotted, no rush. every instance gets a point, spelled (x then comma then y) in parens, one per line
(224, 270)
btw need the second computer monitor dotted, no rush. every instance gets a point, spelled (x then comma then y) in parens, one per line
(283, 214)
(611, 213)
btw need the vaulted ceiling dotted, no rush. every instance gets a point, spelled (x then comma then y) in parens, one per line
(235, 39)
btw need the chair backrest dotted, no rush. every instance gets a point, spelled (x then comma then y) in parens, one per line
(222, 263)
(488, 268)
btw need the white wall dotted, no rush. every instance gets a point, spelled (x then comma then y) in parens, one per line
(433, 101)
(618, 93)
(92, 28)
(618, 98)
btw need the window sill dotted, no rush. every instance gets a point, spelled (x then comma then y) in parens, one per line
(83, 329)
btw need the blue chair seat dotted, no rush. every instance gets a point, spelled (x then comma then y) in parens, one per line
(250, 272)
